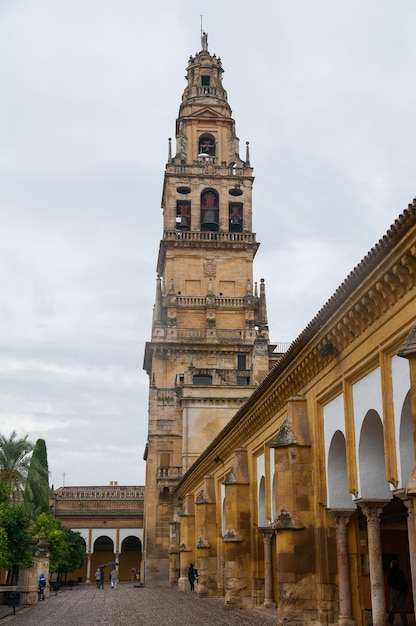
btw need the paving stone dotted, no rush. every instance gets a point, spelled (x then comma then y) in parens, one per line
(133, 606)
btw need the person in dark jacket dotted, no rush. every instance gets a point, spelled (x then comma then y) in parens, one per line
(397, 582)
(41, 586)
(192, 576)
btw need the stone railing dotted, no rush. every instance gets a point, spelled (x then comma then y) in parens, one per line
(188, 235)
(169, 473)
(214, 333)
(222, 302)
(201, 167)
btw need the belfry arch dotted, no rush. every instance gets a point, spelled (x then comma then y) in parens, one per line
(338, 494)
(372, 466)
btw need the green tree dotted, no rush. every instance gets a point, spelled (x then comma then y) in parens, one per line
(75, 555)
(4, 549)
(4, 493)
(67, 547)
(36, 495)
(14, 464)
(15, 522)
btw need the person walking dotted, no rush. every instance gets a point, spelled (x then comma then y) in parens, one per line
(192, 577)
(114, 578)
(133, 574)
(101, 585)
(397, 582)
(41, 586)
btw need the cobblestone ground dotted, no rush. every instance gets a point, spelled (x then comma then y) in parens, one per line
(132, 606)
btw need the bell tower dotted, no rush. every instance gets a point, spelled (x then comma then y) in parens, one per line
(210, 340)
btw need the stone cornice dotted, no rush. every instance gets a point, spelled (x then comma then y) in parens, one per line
(93, 493)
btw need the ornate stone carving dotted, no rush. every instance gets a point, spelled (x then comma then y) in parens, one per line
(230, 479)
(201, 498)
(202, 543)
(408, 349)
(232, 535)
(210, 267)
(286, 521)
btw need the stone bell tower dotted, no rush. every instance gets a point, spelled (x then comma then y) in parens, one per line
(210, 340)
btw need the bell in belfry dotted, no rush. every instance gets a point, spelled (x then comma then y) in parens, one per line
(210, 221)
(183, 224)
(235, 224)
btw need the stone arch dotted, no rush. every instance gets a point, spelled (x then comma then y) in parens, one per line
(372, 466)
(130, 556)
(103, 551)
(131, 544)
(274, 502)
(209, 210)
(206, 145)
(337, 478)
(406, 447)
(261, 513)
(103, 543)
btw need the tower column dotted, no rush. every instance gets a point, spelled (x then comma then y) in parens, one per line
(344, 585)
(268, 534)
(372, 512)
(88, 567)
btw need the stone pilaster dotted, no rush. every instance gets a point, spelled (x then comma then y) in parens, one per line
(206, 539)
(187, 540)
(236, 541)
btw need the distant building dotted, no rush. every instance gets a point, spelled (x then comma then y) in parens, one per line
(110, 520)
(210, 337)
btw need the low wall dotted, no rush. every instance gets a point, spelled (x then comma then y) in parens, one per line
(27, 595)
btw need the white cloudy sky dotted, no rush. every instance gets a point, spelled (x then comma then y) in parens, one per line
(324, 91)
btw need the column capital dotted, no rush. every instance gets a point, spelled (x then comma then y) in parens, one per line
(340, 514)
(372, 509)
(268, 532)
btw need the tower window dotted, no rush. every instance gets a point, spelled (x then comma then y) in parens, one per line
(209, 210)
(164, 459)
(183, 215)
(205, 81)
(235, 215)
(242, 362)
(206, 145)
(202, 379)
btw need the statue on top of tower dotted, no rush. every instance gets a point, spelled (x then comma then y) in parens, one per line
(204, 41)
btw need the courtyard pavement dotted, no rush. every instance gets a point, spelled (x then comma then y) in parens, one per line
(85, 605)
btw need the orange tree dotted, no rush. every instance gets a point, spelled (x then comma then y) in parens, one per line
(67, 548)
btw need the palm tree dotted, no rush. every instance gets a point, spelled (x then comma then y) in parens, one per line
(15, 455)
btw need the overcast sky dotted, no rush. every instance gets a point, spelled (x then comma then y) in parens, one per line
(324, 91)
